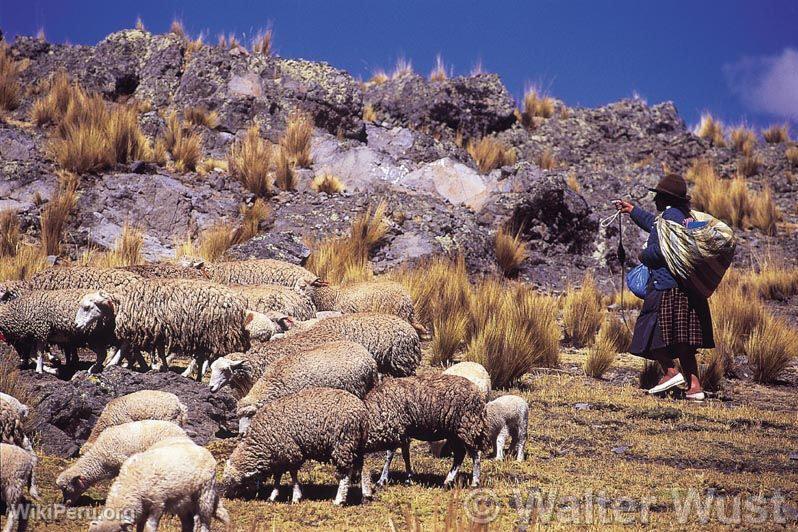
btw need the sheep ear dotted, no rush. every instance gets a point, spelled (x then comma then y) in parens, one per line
(79, 482)
(249, 317)
(236, 363)
(106, 300)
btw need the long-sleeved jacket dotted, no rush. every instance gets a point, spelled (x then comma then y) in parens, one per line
(651, 256)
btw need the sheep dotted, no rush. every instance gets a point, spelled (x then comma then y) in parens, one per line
(272, 297)
(197, 318)
(387, 297)
(112, 447)
(392, 342)
(508, 415)
(166, 270)
(178, 478)
(11, 427)
(21, 408)
(138, 406)
(320, 424)
(18, 472)
(427, 408)
(110, 279)
(38, 318)
(342, 365)
(474, 372)
(262, 271)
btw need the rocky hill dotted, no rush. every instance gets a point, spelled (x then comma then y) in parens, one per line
(410, 152)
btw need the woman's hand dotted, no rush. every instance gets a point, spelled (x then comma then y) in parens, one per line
(623, 206)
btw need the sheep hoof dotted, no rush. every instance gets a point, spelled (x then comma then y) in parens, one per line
(409, 480)
(49, 370)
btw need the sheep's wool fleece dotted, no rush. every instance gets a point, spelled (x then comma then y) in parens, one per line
(108, 279)
(10, 425)
(259, 271)
(166, 270)
(17, 467)
(271, 297)
(388, 297)
(137, 406)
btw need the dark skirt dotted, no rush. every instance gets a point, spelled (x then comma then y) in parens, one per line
(671, 318)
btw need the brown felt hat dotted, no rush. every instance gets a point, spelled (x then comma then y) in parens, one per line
(672, 185)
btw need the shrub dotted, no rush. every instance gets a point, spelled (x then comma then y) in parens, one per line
(177, 28)
(9, 233)
(200, 116)
(614, 332)
(650, 375)
(600, 357)
(777, 134)
(296, 139)
(9, 81)
(510, 251)
(792, 155)
(50, 108)
(582, 313)
(184, 144)
(126, 250)
(26, 261)
(369, 113)
(770, 348)
(379, 77)
(55, 213)
(284, 174)
(749, 165)
(573, 183)
(711, 129)
(262, 43)
(546, 160)
(711, 370)
(490, 153)
(327, 183)
(251, 218)
(764, 214)
(536, 107)
(743, 140)
(250, 161)
(438, 72)
(403, 67)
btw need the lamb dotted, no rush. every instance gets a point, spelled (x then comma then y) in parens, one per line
(262, 271)
(21, 409)
(18, 472)
(110, 279)
(11, 427)
(387, 297)
(320, 424)
(427, 408)
(272, 297)
(197, 318)
(138, 406)
(392, 342)
(112, 447)
(38, 318)
(143, 493)
(508, 415)
(341, 365)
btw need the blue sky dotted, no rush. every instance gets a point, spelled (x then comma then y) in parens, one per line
(738, 59)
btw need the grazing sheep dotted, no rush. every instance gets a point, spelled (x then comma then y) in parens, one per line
(113, 446)
(427, 408)
(392, 342)
(200, 319)
(39, 318)
(178, 478)
(341, 365)
(21, 409)
(138, 406)
(11, 427)
(16, 474)
(272, 297)
(386, 297)
(261, 271)
(166, 270)
(110, 279)
(320, 424)
(508, 415)
(474, 372)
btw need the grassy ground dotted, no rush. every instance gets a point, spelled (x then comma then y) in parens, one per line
(599, 452)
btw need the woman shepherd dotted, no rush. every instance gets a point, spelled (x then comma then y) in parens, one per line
(673, 322)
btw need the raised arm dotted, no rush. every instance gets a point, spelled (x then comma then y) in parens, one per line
(643, 219)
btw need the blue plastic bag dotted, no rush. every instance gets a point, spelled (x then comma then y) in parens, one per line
(637, 280)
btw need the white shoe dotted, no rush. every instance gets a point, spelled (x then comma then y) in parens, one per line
(675, 381)
(698, 396)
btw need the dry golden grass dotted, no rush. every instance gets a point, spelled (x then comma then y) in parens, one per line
(438, 72)
(284, 175)
(510, 251)
(369, 113)
(711, 129)
(214, 241)
(50, 108)
(776, 134)
(250, 161)
(379, 77)
(734, 316)
(403, 67)
(139, 24)
(9, 81)
(200, 116)
(711, 370)
(791, 154)
(159, 152)
(26, 261)
(9, 233)
(582, 312)
(126, 251)
(327, 183)
(262, 43)
(546, 159)
(297, 138)
(772, 345)
(743, 140)
(600, 357)
(210, 164)
(614, 333)
(251, 218)
(630, 301)
(536, 107)
(192, 47)
(749, 165)
(764, 214)
(183, 143)
(55, 213)
(490, 153)
(773, 280)
(177, 28)
(573, 183)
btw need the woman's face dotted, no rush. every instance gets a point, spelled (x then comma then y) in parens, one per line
(661, 202)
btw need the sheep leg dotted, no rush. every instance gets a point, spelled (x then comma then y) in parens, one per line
(11, 515)
(122, 350)
(365, 481)
(276, 489)
(40, 367)
(138, 358)
(205, 366)
(296, 496)
(477, 466)
(100, 353)
(151, 525)
(201, 367)
(384, 475)
(457, 461)
(190, 368)
(501, 439)
(187, 522)
(343, 490)
(520, 441)
(406, 458)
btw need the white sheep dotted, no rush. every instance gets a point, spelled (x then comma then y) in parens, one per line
(21, 409)
(113, 446)
(293, 302)
(474, 372)
(177, 478)
(18, 472)
(138, 406)
(11, 427)
(508, 415)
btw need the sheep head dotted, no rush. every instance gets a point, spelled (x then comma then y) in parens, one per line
(94, 307)
(222, 370)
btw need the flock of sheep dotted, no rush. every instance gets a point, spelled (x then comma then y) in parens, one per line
(321, 373)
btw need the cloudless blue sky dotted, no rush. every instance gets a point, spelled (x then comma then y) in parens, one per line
(703, 55)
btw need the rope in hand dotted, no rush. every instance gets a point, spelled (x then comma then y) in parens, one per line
(606, 222)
